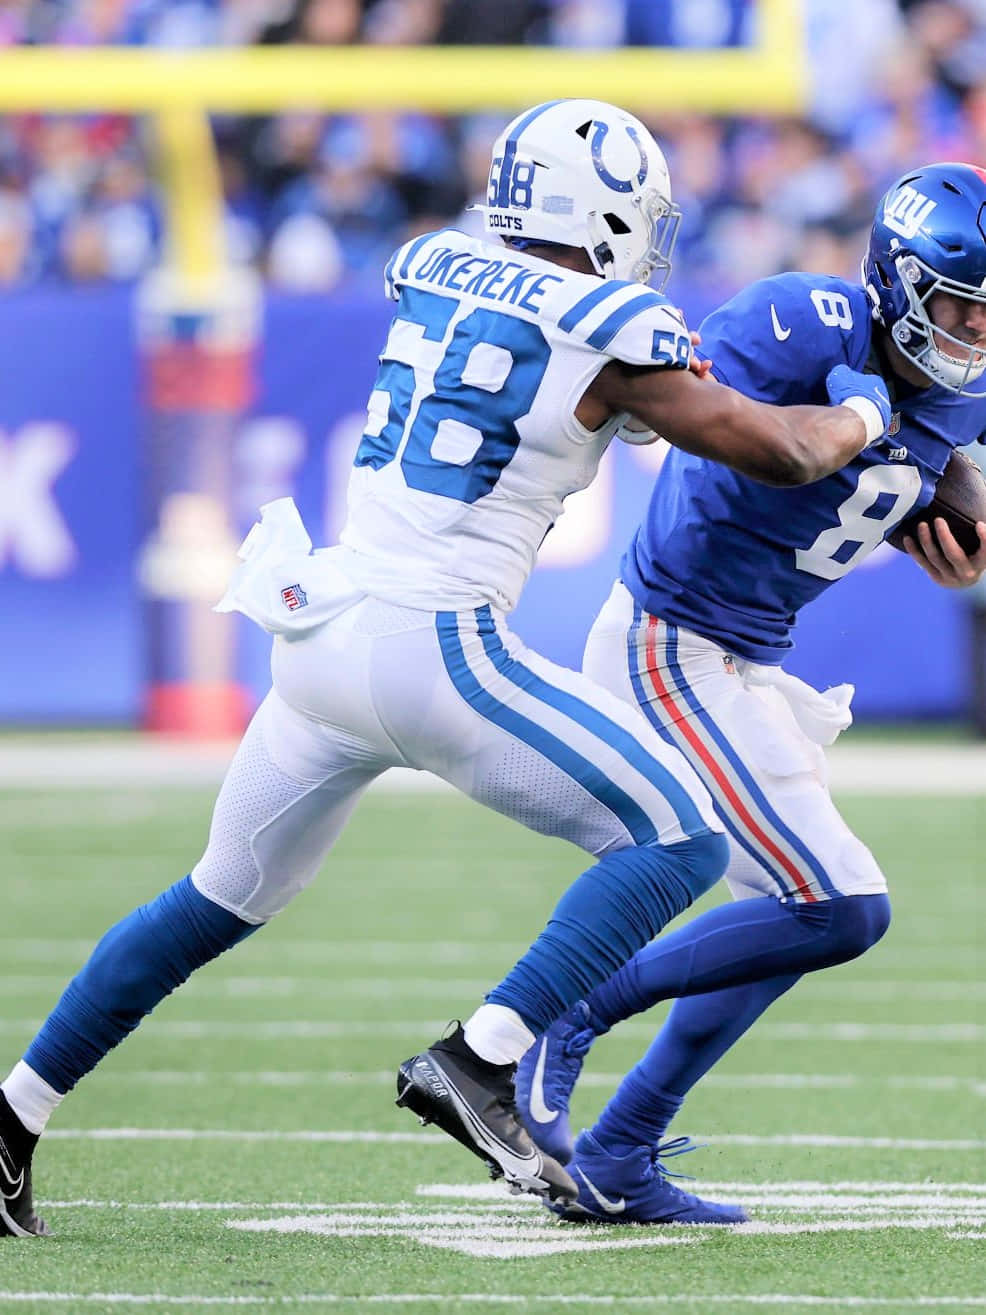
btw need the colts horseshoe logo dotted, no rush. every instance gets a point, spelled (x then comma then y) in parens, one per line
(596, 146)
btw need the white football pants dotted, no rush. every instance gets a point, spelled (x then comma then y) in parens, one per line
(767, 778)
(452, 693)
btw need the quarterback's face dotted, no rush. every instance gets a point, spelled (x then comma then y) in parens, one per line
(963, 320)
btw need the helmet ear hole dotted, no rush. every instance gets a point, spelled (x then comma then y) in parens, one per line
(583, 130)
(616, 224)
(884, 277)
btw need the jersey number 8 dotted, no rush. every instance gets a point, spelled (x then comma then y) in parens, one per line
(881, 499)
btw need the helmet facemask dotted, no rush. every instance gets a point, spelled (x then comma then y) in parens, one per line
(655, 223)
(923, 341)
(663, 219)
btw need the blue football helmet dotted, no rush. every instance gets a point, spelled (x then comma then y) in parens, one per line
(929, 236)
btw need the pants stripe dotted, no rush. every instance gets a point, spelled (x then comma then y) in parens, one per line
(569, 760)
(609, 732)
(742, 805)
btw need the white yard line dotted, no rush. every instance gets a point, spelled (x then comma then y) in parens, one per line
(383, 986)
(552, 1301)
(508, 1234)
(482, 1221)
(901, 1211)
(917, 1032)
(23, 949)
(56, 761)
(423, 1030)
(460, 1200)
(491, 1192)
(819, 1140)
(796, 1194)
(400, 960)
(385, 1078)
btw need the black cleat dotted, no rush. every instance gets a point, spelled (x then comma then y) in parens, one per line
(17, 1217)
(473, 1101)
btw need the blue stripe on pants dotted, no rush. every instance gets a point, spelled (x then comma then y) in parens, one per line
(597, 723)
(569, 760)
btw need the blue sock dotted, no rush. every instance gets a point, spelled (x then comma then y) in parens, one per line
(748, 941)
(756, 950)
(603, 918)
(637, 1115)
(698, 1032)
(136, 964)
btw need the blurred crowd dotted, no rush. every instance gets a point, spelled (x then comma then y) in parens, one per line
(314, 199)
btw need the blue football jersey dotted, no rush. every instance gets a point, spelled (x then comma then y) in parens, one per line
(736, 560)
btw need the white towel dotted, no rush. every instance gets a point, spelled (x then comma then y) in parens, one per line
(822, 716)
(282, 585)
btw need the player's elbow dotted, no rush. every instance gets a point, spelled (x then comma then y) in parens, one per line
(807, 455)
(790, 464)
(805, 449)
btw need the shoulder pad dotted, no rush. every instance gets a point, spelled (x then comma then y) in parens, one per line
(398, 266)
(629, 322)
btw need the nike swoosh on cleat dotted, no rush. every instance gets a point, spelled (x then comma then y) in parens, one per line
(10, 1187)
(780, 333)
(509, 1160)
(611, 1207)
(540, 1111)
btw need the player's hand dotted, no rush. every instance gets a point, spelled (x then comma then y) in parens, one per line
(944, 560)
(847, 386)
(697, 366)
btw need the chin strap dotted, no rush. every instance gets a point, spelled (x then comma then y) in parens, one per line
(602, 255)
(525, 243)
(600, 252)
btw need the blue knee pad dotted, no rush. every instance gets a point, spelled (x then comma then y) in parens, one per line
(604, 917)
(847, 927)
(734, 944)
(136, 964)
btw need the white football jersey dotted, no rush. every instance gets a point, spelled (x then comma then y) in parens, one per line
(472, 444)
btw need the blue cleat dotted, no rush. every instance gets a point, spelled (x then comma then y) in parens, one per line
(546, 1077)
(635, 1188)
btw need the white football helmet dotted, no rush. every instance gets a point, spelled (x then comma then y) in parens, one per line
(585, 174)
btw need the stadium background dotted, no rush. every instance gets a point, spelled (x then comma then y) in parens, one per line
(191, 309)
(243, 1149)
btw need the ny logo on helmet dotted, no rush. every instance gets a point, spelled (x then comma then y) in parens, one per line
(907, 210)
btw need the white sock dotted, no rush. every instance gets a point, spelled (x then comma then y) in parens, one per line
(498, 1034)
(30, 1097)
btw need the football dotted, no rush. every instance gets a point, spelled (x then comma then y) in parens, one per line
(960, 499)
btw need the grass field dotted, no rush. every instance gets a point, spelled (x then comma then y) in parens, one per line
(243, 1148)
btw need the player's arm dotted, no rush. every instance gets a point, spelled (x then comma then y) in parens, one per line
(783, 445)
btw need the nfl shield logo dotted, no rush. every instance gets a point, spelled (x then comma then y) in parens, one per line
(294, 597)
(894, 426)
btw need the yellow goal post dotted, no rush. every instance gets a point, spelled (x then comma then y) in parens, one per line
(179, 88)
